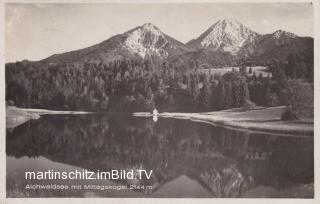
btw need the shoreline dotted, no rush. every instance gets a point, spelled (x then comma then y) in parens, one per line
(263, 120)
(51, 112)
(259, 120)
(16, 116)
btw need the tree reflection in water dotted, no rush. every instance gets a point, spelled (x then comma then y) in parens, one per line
(225, 162)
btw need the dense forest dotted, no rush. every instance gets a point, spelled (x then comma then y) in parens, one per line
(141, 85)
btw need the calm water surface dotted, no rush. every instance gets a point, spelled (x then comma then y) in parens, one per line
(188, 159)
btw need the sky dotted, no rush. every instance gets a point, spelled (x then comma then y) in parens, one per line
(36, 31)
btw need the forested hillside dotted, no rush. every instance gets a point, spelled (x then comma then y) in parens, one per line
(139, 85)
(145, 68)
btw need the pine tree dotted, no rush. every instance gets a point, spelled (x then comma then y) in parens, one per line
(204, 97)
(221, 95)
(228, 95)
(244, 92)
(291, 68)
(236, 93)
(271, 99)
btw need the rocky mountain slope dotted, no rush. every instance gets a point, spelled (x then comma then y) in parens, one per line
(225, 35)
(226, 43)
(277, 45)
(140, 42)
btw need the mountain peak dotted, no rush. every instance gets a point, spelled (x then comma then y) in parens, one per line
(227, 34)
(282, 33)
(229, 21)
(144, 40)
(146, 27)
(149, 25)
(149, 40)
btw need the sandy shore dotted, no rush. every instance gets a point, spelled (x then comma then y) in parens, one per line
(262, 119)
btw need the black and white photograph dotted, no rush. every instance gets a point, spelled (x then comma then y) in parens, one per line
(159, 100)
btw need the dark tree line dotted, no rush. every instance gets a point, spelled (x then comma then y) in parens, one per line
(139, 85)
(299, 67)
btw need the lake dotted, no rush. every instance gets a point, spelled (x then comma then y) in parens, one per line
(188, 159)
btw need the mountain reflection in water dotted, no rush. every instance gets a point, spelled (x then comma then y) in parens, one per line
(188, 159)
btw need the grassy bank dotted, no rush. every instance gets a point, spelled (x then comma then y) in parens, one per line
(262, 119)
